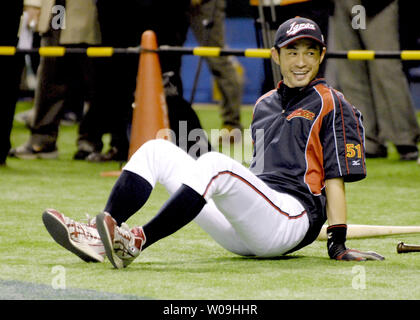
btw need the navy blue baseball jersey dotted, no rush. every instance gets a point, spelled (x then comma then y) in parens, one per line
(303, 136)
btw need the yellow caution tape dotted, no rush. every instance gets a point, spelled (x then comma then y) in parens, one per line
(59, 51)
(410, 55)
(52, 51)
(258, 53)
(207, 51)
(361, 54)
(7, 51)
(100, 51)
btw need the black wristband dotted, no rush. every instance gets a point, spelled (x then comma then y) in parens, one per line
(336, 239)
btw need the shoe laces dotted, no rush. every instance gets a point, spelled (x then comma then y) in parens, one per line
(126, 242)
(124, 232)
(83, 231)
(90, 221)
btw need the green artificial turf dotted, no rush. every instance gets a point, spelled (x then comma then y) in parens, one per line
(189, 264)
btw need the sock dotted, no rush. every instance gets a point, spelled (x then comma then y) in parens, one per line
(128, 195)
(180, 209)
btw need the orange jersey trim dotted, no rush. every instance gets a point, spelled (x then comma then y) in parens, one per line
(314, 175)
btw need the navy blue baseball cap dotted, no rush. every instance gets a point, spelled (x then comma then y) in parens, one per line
(298, 28)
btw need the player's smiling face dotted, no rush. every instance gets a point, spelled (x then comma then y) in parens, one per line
(299, 62)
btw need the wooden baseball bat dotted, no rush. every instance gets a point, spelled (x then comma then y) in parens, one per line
(368, 231)
(403, 248)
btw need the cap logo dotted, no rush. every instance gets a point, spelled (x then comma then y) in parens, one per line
(295, 28)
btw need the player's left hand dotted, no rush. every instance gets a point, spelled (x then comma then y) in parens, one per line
(337, 249)
(356, 255)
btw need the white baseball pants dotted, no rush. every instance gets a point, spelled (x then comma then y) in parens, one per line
(242, 213)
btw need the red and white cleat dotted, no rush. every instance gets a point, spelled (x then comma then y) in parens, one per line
(121, 244)
(80, 238)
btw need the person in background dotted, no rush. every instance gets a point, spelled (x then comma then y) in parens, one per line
(11, 70)
(69, 23)
(379, 87)
(208, 27)
(122, 24)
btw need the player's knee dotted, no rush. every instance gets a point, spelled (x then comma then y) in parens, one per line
(151, 148)
(158, 144)
(210, 158)
(214, 161)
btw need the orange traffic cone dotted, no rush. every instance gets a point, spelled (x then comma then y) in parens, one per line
(150, 114)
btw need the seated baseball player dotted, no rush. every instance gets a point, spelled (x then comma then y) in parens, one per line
(308, 142)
